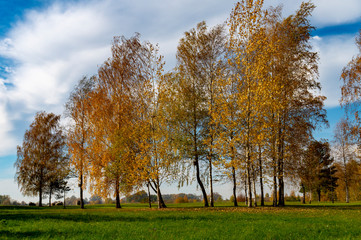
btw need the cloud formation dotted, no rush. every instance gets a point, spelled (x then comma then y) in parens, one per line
(334, 52)
(52, 48)
(326, 13)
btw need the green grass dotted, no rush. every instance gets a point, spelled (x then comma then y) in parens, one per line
(183, 221)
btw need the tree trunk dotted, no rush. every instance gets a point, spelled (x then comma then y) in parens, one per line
(159, 196)
(304, 193)
(249, 179)
(40, 196)
(245, 191)
(41, 189)
(196, 163)
(347, 192)
(149, 200)
(254, 186)
(261, 176)
(281, 196)
(81, 191)
(117, 195)
(161, 203)
(319, 195)
(211, 198)
(234, 187)
(50, 197)
(274, 184)
(64, 197)
(281, 192)
(346, 182)
(161, 200)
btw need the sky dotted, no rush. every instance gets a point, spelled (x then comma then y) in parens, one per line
(47, 46)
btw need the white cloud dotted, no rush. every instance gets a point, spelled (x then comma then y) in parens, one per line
(336, 12)
(326, 13)
(335, 52)
(54, 47)
(8, 142)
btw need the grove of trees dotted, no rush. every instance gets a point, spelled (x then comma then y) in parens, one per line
(241, 102)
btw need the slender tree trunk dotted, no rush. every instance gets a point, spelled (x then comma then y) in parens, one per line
(81, 191)
(347, 192)
(160, 194)
(41, 189)
(117, 195)
(210, 156)
(281, 199)
(64, 196)
(196, 163)
(248, 141)
(211, 198)
(161, 203)
(161, 200)
(249, 178)
(245, 191)
(149, 200)
(304, 193)
(274, 184)
(254, 186)
(345, 167)
(234, 187)
(274, 164)
(310, 193)
(50, 197)
(261, 176)
(319, 195)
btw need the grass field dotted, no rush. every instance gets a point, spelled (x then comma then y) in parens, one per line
(183, 221)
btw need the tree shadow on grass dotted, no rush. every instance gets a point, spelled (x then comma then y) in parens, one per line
(88, 218)
(325, 206)
(20, 235)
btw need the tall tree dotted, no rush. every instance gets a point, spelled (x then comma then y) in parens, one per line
(294, 70)
(121, 117)
(78, 109)
(199, 54)
(344, 150)
(42, 157)
(318, 171)
(201, 61)
(247, 47)
(351, 91)
(353, 169)
(154, 132)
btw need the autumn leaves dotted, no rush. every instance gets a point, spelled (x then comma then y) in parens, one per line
(241, 99)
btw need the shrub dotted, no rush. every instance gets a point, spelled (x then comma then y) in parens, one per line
(108, 201)
(181, 199)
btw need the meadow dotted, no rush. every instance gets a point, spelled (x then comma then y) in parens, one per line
(183, 221)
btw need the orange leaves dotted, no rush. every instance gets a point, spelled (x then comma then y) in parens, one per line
(119, 117)
(42, 158)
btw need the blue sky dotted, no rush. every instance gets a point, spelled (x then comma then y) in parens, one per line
(46, 46)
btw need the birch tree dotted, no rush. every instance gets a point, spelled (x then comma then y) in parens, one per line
(344, 150)
(201, 61)
(78, 108)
